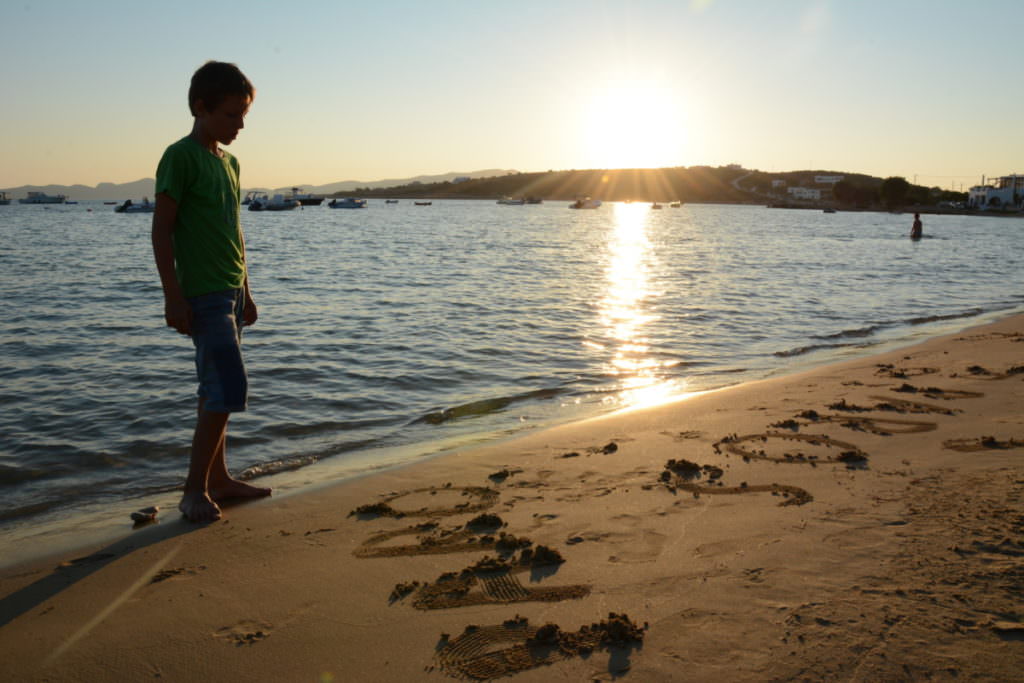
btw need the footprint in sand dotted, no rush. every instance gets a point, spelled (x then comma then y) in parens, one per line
(177, 572)
(494, 581)
(244, 633)
(480, 498)
(982, 443)
(489, 652)
(850, 454)
(477, 534)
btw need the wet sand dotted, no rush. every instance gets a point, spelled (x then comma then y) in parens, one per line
(858, 522)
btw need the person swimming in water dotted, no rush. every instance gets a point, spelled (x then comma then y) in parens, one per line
(917, 231)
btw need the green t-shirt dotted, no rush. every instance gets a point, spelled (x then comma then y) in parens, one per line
(208, 251)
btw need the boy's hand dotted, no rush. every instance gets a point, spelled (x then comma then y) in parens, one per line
(178, 314)
(249, 312)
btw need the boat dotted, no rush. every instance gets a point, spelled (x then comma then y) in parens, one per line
(423, 203)
(676, 205)
(390, 201)
(4, 199)
(109, 203)
(585, 203)
(534, 200)
(656, 205)
(260, 202)
(508, 201)
(129, 207)
(305, 199)
(828, 210)
(347, 203)
(43, 198)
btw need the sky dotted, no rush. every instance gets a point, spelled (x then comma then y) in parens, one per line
(929, 90)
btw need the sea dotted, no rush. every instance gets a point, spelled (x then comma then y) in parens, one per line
(400, 332)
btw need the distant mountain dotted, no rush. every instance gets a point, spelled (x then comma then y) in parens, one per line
(144, 188)
(110, 191)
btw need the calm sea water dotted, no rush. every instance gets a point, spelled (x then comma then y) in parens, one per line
(399, 331)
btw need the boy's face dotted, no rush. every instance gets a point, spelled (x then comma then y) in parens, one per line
(227, 118)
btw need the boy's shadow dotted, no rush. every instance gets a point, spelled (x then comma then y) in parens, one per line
(67, 574)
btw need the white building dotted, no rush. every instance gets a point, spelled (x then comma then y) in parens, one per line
(804, 193)
(1007, 192)
(828, 179)
(778, 182)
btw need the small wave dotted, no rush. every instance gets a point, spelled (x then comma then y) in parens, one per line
(938, 318)
(855, 333)
(484, 407)
(799, 351)
(10, 476)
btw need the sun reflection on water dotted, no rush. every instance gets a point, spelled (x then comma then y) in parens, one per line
(626, 311)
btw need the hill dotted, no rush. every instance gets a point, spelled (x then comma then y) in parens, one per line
(693, 184)
(144, 187)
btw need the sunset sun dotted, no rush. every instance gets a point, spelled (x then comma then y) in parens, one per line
(635, 124)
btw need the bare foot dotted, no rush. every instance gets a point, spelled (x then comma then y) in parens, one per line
(232, 488)
(198, 507)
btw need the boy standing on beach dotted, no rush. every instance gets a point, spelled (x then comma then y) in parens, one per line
(200, 256)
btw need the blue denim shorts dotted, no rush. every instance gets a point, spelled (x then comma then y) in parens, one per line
(217, 336)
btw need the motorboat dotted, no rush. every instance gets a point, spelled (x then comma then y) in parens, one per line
(508, 201)
(585, 203)
(830, 210)
(304, 198)
(4, 199)
(347, 203)
(423, 203)
(390, 201)
(43, 198)
(676, 205)
(656, 205)
(534, 200)
(130, 207)
(261, 202)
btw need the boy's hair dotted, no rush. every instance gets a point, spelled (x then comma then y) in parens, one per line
(214, 81)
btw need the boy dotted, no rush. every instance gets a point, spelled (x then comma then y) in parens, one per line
(200, 256)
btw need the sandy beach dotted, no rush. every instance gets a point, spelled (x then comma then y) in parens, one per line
(858, 522)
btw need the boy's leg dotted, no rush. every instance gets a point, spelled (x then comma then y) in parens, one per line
(211, 430)
(221, 485)
(216, 334)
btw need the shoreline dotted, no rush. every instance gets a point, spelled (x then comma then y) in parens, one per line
(97, 523)
(816, 525)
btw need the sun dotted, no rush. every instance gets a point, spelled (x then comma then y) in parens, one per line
(635, 124)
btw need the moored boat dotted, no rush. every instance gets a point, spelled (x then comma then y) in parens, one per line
(508, 201)
(278, 202)
(585, 203)
(129, 207)
(4, 199)
(43, 198)
(304, 198)
(423, 203)
(347, 203)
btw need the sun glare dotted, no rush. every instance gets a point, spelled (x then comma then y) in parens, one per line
(635, 124)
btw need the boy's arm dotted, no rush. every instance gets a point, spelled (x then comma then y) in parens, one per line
(249, 312)
(177, 312)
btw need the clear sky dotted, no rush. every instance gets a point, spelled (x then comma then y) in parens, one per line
(94, 91)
